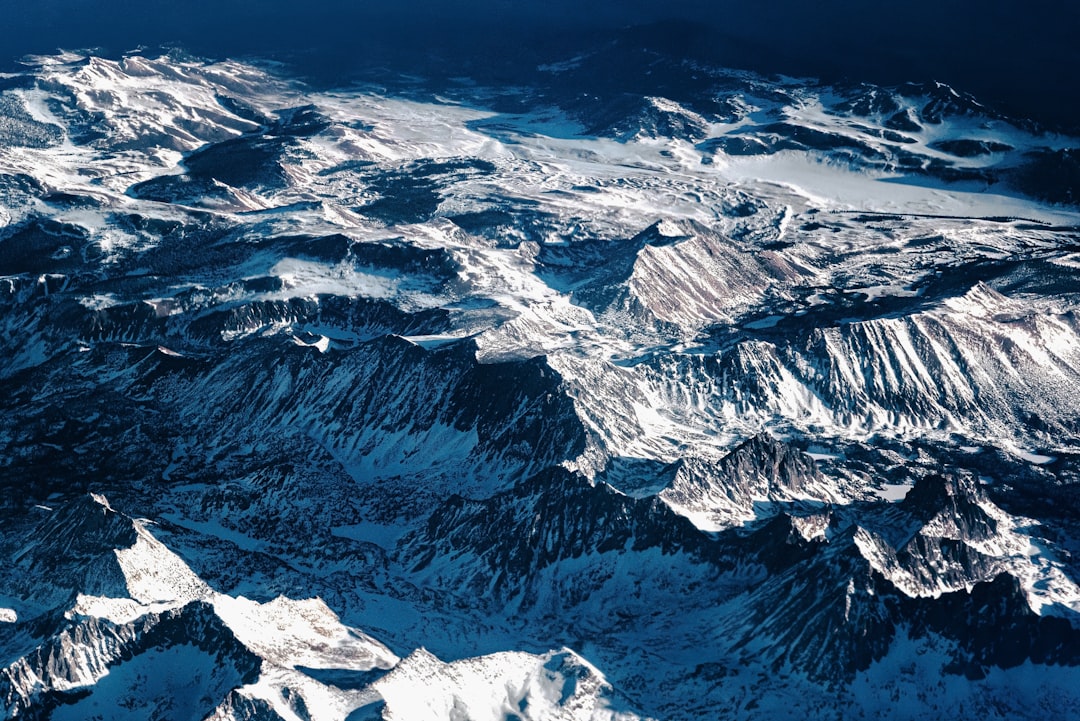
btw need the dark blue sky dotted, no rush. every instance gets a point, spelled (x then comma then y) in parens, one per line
(1022, 55)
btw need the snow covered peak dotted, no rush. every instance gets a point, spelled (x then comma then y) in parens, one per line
(755, 480)
(557, 685)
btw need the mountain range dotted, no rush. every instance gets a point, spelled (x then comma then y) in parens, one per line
(670, 392)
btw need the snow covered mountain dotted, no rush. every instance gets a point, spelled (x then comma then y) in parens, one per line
(698, 393)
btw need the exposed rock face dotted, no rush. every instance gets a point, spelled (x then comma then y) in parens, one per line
(837, 601)
(757, 475)
(62, 670)
(552, 517)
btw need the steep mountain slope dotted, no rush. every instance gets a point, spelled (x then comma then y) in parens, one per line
(143, 646)
(742, 486)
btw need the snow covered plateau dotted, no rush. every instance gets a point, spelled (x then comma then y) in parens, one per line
(737, 397)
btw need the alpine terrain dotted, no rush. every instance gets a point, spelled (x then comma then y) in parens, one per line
(634, 388)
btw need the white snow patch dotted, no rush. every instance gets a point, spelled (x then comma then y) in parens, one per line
(892, 491)
(434, 340)
(1035, 458)
(320, 343)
